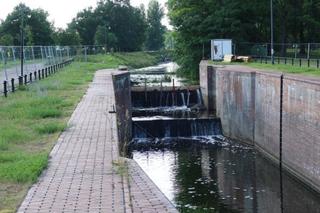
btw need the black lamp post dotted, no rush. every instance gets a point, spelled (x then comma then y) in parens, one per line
(21, 44)
(272, 39)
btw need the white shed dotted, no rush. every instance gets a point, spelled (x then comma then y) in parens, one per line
(220, 48)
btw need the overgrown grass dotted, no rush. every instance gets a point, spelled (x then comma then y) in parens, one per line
(50, 128)
(33, 118)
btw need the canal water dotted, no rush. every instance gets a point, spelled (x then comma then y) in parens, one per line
(199, 170)
(164, 74)
(232, 178)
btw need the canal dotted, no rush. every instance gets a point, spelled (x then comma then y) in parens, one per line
(182, 149)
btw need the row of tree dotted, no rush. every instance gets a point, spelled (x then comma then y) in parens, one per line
(197, 21)
(113, 23)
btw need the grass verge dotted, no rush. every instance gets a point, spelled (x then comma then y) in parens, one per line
(285, 68)
(32, 120)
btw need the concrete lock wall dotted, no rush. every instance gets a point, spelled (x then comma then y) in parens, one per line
(122, 90)
(301, 127)
(235, 101)
(248, 103)
(267, 113)
(208, 79)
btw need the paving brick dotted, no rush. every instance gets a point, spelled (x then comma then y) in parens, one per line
(81, 176)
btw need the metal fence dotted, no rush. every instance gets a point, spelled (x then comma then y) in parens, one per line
(284, 50)
(299, 62)
(19, 67)
(294, 54)
(36, 75)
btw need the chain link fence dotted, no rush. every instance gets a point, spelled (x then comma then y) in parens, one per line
(21, 66)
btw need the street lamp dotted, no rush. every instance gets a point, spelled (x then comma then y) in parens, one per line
(272, 39)
(22, 45)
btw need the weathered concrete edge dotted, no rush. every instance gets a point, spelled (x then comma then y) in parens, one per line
(299, 176)
(123, 107)
(167, 88)
(133, 165)
(118, 75)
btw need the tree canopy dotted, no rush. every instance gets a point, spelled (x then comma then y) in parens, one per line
(114, 21)
(155, 30)
(37, 28)
(198, 21)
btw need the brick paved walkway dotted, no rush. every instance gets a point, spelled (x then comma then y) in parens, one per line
(82, 173)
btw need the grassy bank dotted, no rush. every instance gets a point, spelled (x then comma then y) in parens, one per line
(32, 120)
(287, 69)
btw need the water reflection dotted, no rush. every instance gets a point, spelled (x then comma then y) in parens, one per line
(226, 179)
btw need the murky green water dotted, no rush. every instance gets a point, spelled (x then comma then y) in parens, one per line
(226, 179)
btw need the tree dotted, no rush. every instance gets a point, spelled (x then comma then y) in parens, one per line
(198, 21)
(106, 38)
(85, 24)
(37, 28)
(169, 41)
(125, 24)
(155, 30)
(28, 36)
(6, 40)
(68, 37)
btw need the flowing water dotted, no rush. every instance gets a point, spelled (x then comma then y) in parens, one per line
(182, 149)
(154, 76)
(169, 96)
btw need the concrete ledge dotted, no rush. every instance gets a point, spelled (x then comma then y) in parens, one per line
(145, 195)
(158, 88)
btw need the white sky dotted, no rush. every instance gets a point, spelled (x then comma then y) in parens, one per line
(61, 11)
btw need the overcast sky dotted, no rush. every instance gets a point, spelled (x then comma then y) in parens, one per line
(61, 11)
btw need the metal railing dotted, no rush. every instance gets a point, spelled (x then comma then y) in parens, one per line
(15, 83)
(299, 62)
(284, 50)
(38, 62)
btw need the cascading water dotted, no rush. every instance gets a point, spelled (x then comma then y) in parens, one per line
(183, 99)
(199, 97)
(197, 168)
(158, 98)
(159, 128)
(174, 103)
(171, 133)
